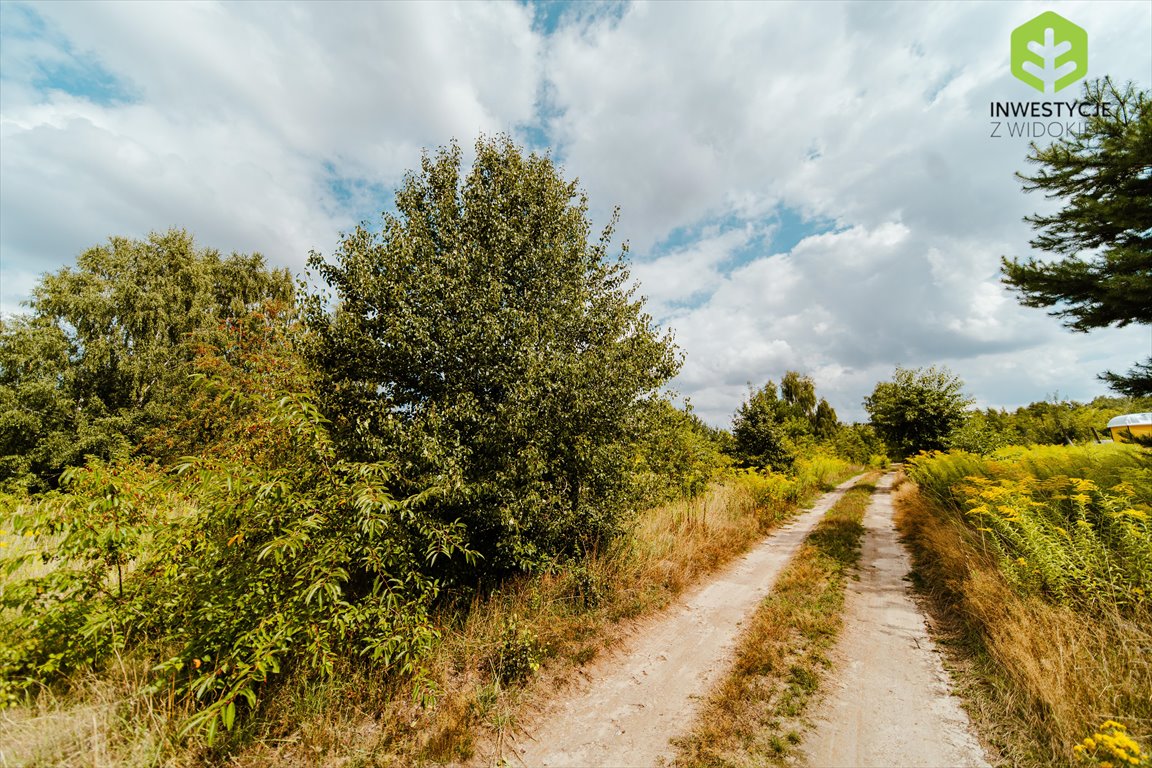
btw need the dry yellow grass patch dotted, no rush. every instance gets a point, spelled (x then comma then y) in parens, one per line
(1039, 676)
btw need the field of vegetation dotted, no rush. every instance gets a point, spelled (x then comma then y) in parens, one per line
(1039, 564)
(121, 704)
(364, 518)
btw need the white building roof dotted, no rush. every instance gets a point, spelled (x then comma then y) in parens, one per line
(1131, 420)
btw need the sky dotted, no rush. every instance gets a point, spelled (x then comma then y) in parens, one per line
(803, 186)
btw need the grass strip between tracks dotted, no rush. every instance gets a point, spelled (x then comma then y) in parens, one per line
(754, 716)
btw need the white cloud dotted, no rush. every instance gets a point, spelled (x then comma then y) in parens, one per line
(272, 127)
(243, 114)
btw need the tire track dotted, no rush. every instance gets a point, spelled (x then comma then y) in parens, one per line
(630, 704)
(889, 702)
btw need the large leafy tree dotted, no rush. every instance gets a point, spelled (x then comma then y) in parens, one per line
(1103, 232)
(103, 357)
(485, 343)
(759, 439)
(918, 410)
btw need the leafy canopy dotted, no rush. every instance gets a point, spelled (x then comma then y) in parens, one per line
(485, 344)
(772, 425)
(918, 410)
(104, 356)
(757, 431)
(1103, 232)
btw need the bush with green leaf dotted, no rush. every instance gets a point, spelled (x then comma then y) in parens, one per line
(676, 454)
(486, 341)
(269, 553)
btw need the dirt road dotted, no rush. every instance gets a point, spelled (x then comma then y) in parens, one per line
(631, 703)
(889, 702)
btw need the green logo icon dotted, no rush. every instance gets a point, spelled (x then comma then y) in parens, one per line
(1049, 52)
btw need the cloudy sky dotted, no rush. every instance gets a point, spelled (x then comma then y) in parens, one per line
(807, 186)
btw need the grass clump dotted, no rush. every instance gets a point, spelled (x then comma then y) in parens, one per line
(753, 717)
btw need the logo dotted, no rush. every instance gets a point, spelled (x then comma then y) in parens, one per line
(1049, 52)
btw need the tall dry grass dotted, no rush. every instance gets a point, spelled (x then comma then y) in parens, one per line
(1040, 675)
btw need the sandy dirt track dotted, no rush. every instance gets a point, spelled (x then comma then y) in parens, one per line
(629, 704)
(888, 702)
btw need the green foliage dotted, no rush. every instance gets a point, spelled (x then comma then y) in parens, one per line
(918, 410)
(482, 343)
(981, 433)
(266, 553)
(104, 356)
(677, 453)
(758, 430)
(758, 433)
(1104, 177)
(798, 393)
(517, 654)
(825, 425)
(1071, 524)
(857, 443)
(775, 490)
(1053, 422)
(771, 428)
(64, 594)
(42, 427)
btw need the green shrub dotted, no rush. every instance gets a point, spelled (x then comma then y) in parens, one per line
(280, 555)
(517, 654)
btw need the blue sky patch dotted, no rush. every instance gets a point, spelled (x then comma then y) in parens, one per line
(85, 79)
(548, 16)
(54, 65)
(788, 228)
(360, 199)
(793, 227)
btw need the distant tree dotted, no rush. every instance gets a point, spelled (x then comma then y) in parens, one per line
(759, 440)
(918, 410)
(104, 356)
(824, 421)
(980, 433)
(799, 393)
(486, 344)
(1104, 231)
(858, 443)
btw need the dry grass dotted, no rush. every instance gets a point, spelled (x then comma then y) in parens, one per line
(753, 717)
(98, 723)
(1038, 677)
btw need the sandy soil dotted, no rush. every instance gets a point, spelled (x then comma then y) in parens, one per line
(628, 705)
(889, 702)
